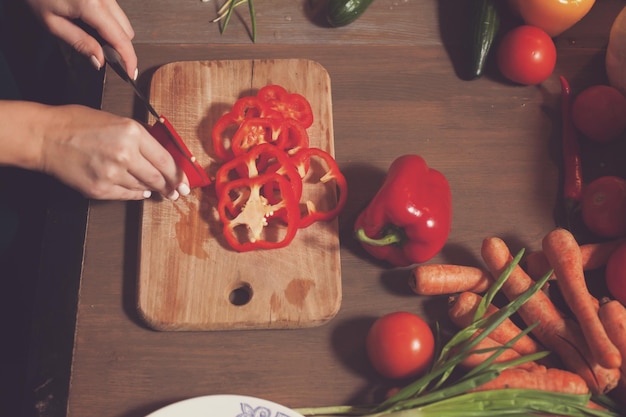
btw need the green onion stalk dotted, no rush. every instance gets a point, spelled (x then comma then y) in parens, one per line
(225, 12)
(435, 394)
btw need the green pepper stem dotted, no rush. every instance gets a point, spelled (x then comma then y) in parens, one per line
(392, 236)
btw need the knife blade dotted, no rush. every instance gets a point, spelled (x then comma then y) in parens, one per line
(162, 130)
(116, 62)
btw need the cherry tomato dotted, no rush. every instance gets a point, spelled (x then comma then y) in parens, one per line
(616, 274)
(526, 55)
(400, 345)
(603, 206)
(599, 112)
(553, 16)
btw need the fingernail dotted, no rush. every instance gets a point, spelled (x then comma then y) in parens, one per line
(184, 189)
(94, 61)
(147, 194)
(173, 195)
(136, 74)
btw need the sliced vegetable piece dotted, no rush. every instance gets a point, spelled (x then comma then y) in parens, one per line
(293, 136)
(255, 131)
(249, 228)
(248, 106)
(222, 135)
(318, 166)
(279, 101)
(260, 159)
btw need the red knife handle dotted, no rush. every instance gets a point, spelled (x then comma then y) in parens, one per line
(164, 132)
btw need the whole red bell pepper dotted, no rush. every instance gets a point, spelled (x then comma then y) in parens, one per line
(408, 220)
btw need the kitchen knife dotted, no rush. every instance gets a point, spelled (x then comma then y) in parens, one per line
(162, 129)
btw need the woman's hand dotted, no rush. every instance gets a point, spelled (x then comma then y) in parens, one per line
(107, 156)
(105, 16)
(102, 155)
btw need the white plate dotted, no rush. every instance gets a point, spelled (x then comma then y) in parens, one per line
(225, 406)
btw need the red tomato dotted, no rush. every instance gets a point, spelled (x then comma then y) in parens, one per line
(616, 274)
(599, 112)
(400, 345)
(526, 55)
(603, 206)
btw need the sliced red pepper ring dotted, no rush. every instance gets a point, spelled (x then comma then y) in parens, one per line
(294, 107)
(317, 166)
(290, 105)
(222, 136)
(260, 159)
(248, 106)
(250, 228)
(289, 170)
(255, 131)
(293, 136)
(265, 145)
(272, 92)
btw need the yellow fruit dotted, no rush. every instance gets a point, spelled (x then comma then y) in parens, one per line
(616, 53)
(553, 16)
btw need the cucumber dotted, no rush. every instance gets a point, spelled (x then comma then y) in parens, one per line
(343, 12)
(485, 26)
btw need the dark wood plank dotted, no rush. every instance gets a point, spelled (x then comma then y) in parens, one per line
(424, 22)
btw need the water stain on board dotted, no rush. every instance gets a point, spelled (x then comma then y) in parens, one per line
(190, 230)
(297, 291)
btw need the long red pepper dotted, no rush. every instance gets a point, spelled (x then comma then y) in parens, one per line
(572, 167)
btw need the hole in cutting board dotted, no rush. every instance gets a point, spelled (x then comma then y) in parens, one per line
(240, 295)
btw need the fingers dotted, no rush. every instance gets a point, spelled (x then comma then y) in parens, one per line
(132, 185)
(120, 193)
(107, 18)
(146, 176)
(153, 167)
(77, 38)
(106, 156)
(115, 28)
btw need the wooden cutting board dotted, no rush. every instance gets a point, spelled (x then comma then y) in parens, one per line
(189, 278)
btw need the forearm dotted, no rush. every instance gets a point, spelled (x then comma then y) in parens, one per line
(103, 155)
(22, 133)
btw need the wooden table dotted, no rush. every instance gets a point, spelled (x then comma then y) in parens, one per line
(397, 87)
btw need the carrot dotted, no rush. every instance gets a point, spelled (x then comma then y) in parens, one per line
(613, 317)
(539, 378)
(437, 279)
(558, 334)
(462, 308)
(537, 264)
(594, 255)
(564, 255)
(486, 348)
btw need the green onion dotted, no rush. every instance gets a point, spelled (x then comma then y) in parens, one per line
(434, 395)
(225, 12)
